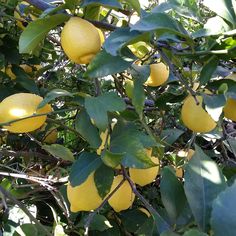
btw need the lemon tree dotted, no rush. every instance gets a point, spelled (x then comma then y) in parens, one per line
(117, 117)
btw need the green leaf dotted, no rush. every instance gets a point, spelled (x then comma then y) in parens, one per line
(169, 233)
(112, 159)
(27, 229)
(36, 31)
(194, 232)
(105, 64)
(103, 178)
(133, 220)
(126, 138)
(172, 194)
(59, 151)
(140, 74)
(97, 107)
(99, 223)
(83, 167)
(118, 39)
(87, 130)
(171, 135)
(107, 3)
(146, 228)
(135, 5)
(161, 22)
(208, 70)
(55, 93)
(223, 219)
(223, 8)
(203, 182)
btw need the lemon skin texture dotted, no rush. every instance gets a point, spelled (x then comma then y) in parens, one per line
(159, 74)
(143, 177)
(230, 109)
(123, 198)
(84, 197)
(80, 40)
(22, 105)
(195, 117)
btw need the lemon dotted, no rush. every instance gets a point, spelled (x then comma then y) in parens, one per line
(50, 136)
(123, 198)
(143, 177)
(129, 88)
(101, 35)
(22, 105)
(80, 40)
(140, 49)
(84, 197)
(103, 137)
(145, 211)
(230, 109)
(195, 117)
(159, 74)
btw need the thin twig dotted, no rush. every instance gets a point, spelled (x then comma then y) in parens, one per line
(26, 211)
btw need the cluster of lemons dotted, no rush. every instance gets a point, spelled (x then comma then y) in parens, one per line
(81, 41)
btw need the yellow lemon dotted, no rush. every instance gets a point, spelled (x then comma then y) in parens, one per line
(84, 197)
(80, 40)
(22, 105)
(145, 211)
(143, 177)
(123, 198)
(159, 74)
(195, 117)
(50, 136)
(230, 109)
(103, 137)
(101, 35)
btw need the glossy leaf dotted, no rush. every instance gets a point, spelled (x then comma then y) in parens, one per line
(59, 151)
(203, 182)
(36, 31)
(112, 159)
(100, 223)
(55, 93)
(97, 107)
(105, 64)
(87, 130)
(103, 178)
(83, 167)
(172, 194)
(208, 69)
(223, 219)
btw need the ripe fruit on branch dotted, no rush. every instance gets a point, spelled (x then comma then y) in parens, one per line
(159, 74)
(123, 198)
(230, 109)
(195, 117)
(84, 197)
(80, 40)
(21, 105)
(143, 177)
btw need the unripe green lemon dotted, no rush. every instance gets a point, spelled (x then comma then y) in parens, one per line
(80, 40)
(195, 117)
(123, 198)
(21, 105)
(84, 197)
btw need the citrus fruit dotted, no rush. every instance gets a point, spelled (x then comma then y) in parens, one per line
(84, 197)
(129, 88)
(140, 49)
(103, 137)
(145, 211)
(50, 136)
(123, 198)
(80, 40)
(159, 74)
(101, 35)
(22, 105)
(230, 109)
(195, 117)
(143, 177)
